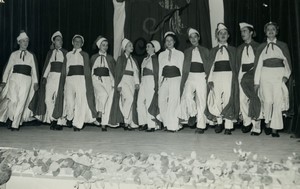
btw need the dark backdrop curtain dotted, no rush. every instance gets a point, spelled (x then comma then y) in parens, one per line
(142, 16)
(287, 15)
(41, 18)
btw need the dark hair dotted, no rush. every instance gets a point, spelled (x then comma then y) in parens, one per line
(56, 37)
(251, 30)
(271, 23)
(175, 38)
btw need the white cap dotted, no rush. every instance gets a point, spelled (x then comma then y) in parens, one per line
(77, 35)
(156, 45)
(22, 35)
(99, 40)
(124, 43)
(56, 34)
(169, 33)
(192, 30)
(220, 27)
(244, 24)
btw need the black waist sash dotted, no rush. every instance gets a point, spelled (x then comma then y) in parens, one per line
(247, 67)
(56, 67)
(75, 70)
(170, 71)
(221, 66)
(128, 72)
(22, 69)
(197, 67)
(101, 71)
(273, 63)
(147, 71)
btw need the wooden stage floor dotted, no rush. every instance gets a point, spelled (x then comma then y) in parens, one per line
(181, 143)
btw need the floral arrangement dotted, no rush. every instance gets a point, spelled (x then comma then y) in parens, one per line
(158, 170)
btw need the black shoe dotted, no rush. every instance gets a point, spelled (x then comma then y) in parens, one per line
(104, 129)
(99, 121)
(75, 129)
(199, 131)
(14, 129)
(227, 132)
(53, 125)
(268, 131)
(247, 129)
(59, 127)
(143, 127)
(192, 121)
(125, 128)
(150, 130)
(275, 134)
(255, 134)
(8, 123)
(219, 128)
(69, 123)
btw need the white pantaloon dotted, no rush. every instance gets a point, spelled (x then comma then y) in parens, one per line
(18, 92)
(76, 105)
(103, 95)
(145, 96)
(272, 95)
(169, 103)
(222, 88)
(194, 95)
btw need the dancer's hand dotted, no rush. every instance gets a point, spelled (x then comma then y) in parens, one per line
(36, 86)
(119, 89)
(210, 85)
(284, 79)
(137, 86)
(256, 87)
(2, 85)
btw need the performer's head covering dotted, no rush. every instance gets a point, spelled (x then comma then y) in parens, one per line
(191, 31)
(99, 40)
(124, 43)
(55, 35)
(156, 45)
(221, 26)
(249, 26)
(174, 37)
(271, 23)
(78, 36)
(22, 35)
(169, 33)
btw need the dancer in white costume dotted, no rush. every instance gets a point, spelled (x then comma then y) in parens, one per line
(193, 83)
(272, 70)
(147, 96)
(170, 71)
(223, 82)
(103, 66)
(128, 84)
(79, 99)
(19, 81)
(245, 61)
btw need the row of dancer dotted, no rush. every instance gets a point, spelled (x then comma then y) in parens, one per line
(205, 86)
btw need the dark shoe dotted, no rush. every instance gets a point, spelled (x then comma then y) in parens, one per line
(255, 134)
(99, 121)
(53, 125)
(59, 127)
(199, 131)
(143, 127)
(219, 128)
(8, 123)
(268, 131)
(104, 129)
(150, 130)
(192, 121)
(69, 123)
(275, 134)
(247, 129)
(227, 132)
(75, 129)
(125, 128)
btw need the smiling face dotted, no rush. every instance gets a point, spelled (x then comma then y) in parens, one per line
(271, 31)
(246, 34)
(194, 39)
(170, 42)
(150, 49)
(23, 43)
(58, 42)
(129, 48)
(77, 42)
(103, 46)
(222, 36)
